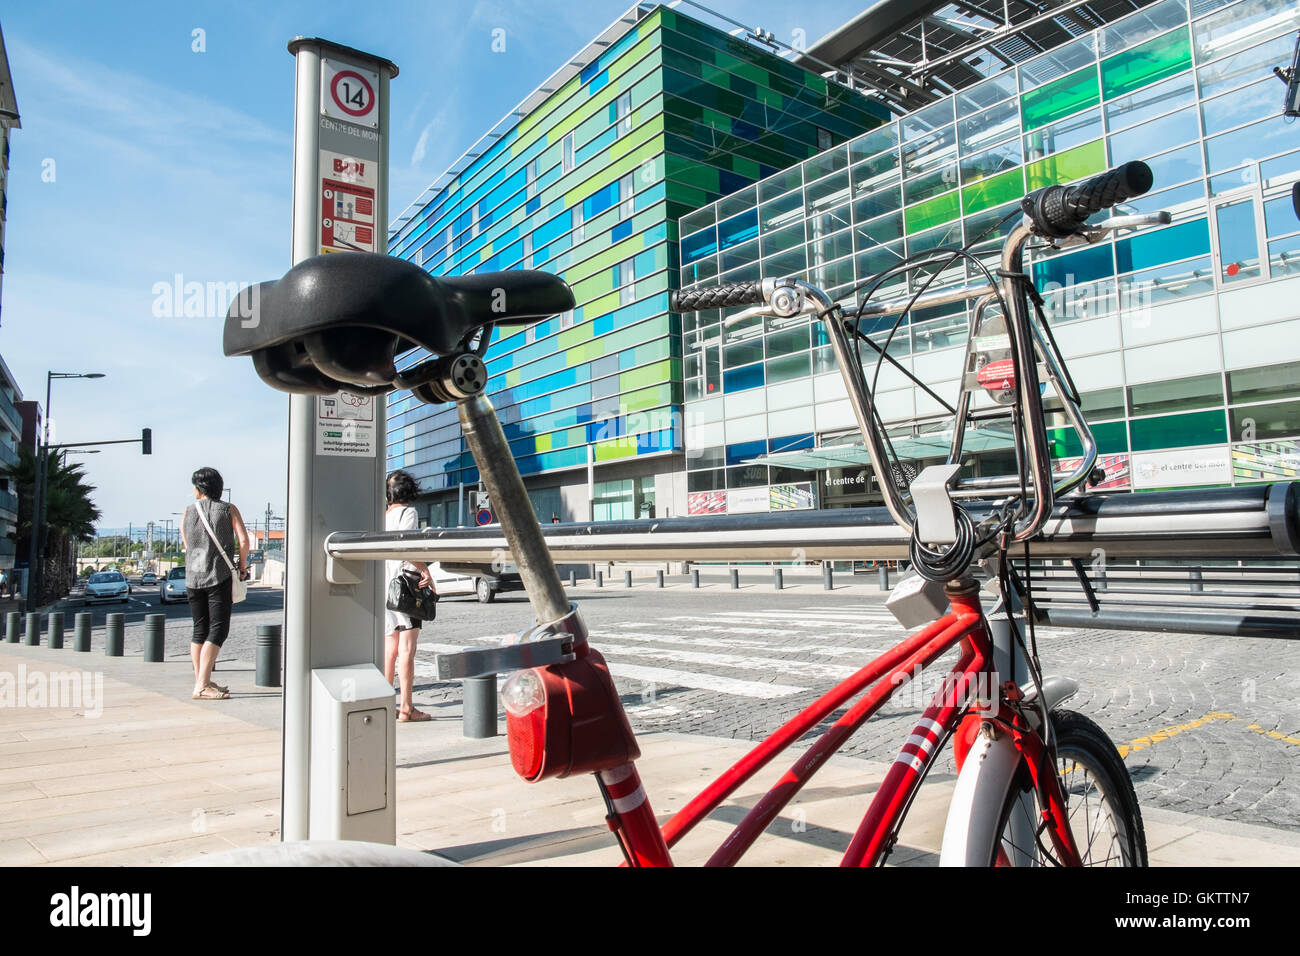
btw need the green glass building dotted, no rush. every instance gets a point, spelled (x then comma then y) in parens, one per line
(1184, 339)
(588, 179)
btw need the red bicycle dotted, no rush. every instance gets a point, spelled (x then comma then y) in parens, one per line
(1036, 785)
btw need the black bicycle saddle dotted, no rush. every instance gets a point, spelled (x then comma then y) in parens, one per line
(337, 321)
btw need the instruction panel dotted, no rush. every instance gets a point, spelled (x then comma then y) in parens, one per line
(345, 425)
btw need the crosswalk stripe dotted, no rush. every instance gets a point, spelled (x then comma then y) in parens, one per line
(722, 685)
(814, 669)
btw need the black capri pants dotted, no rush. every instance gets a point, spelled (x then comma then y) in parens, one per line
(210, 609)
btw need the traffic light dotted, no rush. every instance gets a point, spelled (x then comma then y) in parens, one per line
(146, 441)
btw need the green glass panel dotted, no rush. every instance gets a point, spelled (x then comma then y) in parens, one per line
(1112, 438)
(987, 193)
(1061, 97)
(1179, 431)
(1145, 63)
(615, 448)
(646, 375)
(932, 212)
(1085, 160)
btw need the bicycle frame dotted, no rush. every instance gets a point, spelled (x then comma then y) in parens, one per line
(997, 710)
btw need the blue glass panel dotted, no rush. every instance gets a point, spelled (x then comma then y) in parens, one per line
(656, 233)
(603, 324)
(621, 231)
(738, 229)
(729, 182)
(599, 201)
(598, 81)
(791, 443)
(745, 130)
(533, 205)
(1086, 265)
(597, 145)
(704, 243)
(643, 264)
(741, 379)
(590, 70)
(745, 450)
(1168, 245)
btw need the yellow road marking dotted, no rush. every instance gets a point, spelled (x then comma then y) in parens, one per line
(1273, 734)
(1156, 736)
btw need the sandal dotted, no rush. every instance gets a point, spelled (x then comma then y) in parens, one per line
(211, 693)
(413, 716)
(221, 687)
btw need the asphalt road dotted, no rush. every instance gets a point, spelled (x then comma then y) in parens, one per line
(1208, 725)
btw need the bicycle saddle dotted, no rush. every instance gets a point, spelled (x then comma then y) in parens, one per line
(337, 321)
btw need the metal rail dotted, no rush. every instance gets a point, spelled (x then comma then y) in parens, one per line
(1255, 521)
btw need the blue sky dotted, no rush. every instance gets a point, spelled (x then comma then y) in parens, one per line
(141, 160)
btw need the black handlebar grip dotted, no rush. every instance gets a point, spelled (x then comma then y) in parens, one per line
(1059, 211)
(717, 297)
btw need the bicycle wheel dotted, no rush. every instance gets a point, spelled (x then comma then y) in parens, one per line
(1100, 804)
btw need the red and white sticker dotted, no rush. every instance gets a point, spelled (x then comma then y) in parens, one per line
(347, 203)
(349, 92)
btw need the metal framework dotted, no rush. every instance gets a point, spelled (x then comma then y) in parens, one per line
(909, 53)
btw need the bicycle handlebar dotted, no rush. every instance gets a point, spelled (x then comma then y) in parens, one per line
(717, 297)
(1059, 211)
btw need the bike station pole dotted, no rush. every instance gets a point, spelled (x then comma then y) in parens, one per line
(333, 632)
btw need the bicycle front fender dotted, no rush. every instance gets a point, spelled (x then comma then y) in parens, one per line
(985, 779)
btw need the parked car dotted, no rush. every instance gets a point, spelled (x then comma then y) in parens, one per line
(107, 586)
(483, 582)
(172, 588)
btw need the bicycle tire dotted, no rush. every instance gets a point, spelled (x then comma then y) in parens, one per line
(1093, 778)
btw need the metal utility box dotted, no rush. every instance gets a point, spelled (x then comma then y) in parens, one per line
(353, 755)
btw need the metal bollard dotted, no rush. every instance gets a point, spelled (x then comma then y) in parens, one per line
(480, 707)
(884, 577)
(660, 576)
(114, 634)
(777, 581)
(695, 577)
(573, 579)
(54, 627)
(155, 633)
(33, 638)
(13, 621)
(1198, 585)
(828, 577)
(627, 578)
(735, 579)
(85, 621)
(268, 655)
(600, 579)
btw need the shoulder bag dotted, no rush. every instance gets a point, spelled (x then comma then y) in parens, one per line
(238, 589)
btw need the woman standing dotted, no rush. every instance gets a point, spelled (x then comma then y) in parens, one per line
(402, 630)
(208, 574)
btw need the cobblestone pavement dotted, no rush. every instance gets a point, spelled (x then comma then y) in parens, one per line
(1208, 725)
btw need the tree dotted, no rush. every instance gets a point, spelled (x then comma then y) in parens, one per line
(70, 515)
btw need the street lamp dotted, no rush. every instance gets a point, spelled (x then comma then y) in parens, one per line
(36, 551)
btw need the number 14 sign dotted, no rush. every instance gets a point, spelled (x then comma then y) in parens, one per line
(349, 93)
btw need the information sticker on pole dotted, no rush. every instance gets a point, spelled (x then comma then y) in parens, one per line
(337, 706)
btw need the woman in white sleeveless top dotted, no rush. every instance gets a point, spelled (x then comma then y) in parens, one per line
(401, 631)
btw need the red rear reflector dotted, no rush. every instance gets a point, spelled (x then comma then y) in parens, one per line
(998, 376)
(527, 739)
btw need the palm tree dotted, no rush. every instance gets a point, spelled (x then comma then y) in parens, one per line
(70, 514)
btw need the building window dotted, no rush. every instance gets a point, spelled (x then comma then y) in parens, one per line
(626, 186)
(566, 319)
(623, 275)
(567, 148)
(579, 226)
(824, 141)
(534, 173)
(623, 113)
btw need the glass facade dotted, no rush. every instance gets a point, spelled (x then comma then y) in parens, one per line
(590, 185)
(1184, 339)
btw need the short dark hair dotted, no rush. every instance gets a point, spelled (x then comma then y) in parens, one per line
(208, 481)
(400, 488)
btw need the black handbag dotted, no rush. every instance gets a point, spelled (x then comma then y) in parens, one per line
(405, 596)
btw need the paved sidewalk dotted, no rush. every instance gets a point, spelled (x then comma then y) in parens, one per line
(139, 774)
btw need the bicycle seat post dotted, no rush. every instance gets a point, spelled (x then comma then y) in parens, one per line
(496, 464)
